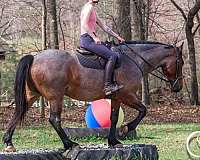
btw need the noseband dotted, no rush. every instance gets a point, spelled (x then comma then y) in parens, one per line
(178, 69)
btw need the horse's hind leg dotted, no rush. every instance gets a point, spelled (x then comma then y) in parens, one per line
(55, 120)
(7, 138)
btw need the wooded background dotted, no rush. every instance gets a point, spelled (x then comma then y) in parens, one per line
(28, 26)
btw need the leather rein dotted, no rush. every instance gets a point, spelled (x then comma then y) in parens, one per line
(174, 82)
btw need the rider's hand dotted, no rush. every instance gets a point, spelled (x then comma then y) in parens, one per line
(97, 40)
(120, 39)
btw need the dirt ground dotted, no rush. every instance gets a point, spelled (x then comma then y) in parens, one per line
(164, 108)
(156, 114)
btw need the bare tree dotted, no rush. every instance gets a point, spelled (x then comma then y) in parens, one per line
(51, 9)
(140, 24)
(2, 57)
(122, 18)
(44, 46)
(190, 32)
(44, 24)
(198, 20)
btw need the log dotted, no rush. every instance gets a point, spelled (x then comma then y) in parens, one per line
(89, 152)
(32, 155)
(97, 132)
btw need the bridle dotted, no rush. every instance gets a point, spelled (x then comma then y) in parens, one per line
(178, 69)
(164, 78)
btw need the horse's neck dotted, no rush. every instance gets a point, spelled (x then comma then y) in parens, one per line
(154, 57)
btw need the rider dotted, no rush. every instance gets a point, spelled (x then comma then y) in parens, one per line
(90, 41)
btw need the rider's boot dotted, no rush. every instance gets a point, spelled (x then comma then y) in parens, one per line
(109, 87)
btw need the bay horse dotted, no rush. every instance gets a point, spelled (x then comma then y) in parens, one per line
(55, 73)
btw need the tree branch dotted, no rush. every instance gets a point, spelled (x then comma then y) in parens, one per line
(180, 9)
(61, 28)
(2, 13)
(194, 10)
(196, 29)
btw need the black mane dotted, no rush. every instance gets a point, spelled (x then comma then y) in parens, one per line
(148, 42)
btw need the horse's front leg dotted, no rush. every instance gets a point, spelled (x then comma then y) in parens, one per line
(112, 140)
(142, 113)
(134, 123)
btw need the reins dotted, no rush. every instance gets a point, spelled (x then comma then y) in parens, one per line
(161, 78)
(173, 82)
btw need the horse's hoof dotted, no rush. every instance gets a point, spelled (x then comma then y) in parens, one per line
(123, 130)
(9, 149)
(73, 152)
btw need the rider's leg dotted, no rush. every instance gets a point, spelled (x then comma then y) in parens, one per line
(102, 51)
(110, 87)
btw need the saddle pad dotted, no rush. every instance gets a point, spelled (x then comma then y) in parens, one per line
(93, 61)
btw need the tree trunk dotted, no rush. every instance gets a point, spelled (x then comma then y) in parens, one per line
(141, 32)
(42, 108)
(2, 57)
(190, 40)
(135, 22)
(0, 87)
(141, 17)
(122, 24)
(198, 20)
(192, 61)
(145, 90)
(51, 9)
(44, 25)
(44, 46)
(191, 47)
(144, 36)
(146, 17)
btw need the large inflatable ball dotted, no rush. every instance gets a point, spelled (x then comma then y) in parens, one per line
(98, 114)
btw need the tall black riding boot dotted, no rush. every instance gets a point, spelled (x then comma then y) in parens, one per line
(109, 86)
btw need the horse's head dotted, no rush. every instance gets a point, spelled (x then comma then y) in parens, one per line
(172, 68)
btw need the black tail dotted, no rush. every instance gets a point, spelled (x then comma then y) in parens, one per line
(20, 82)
